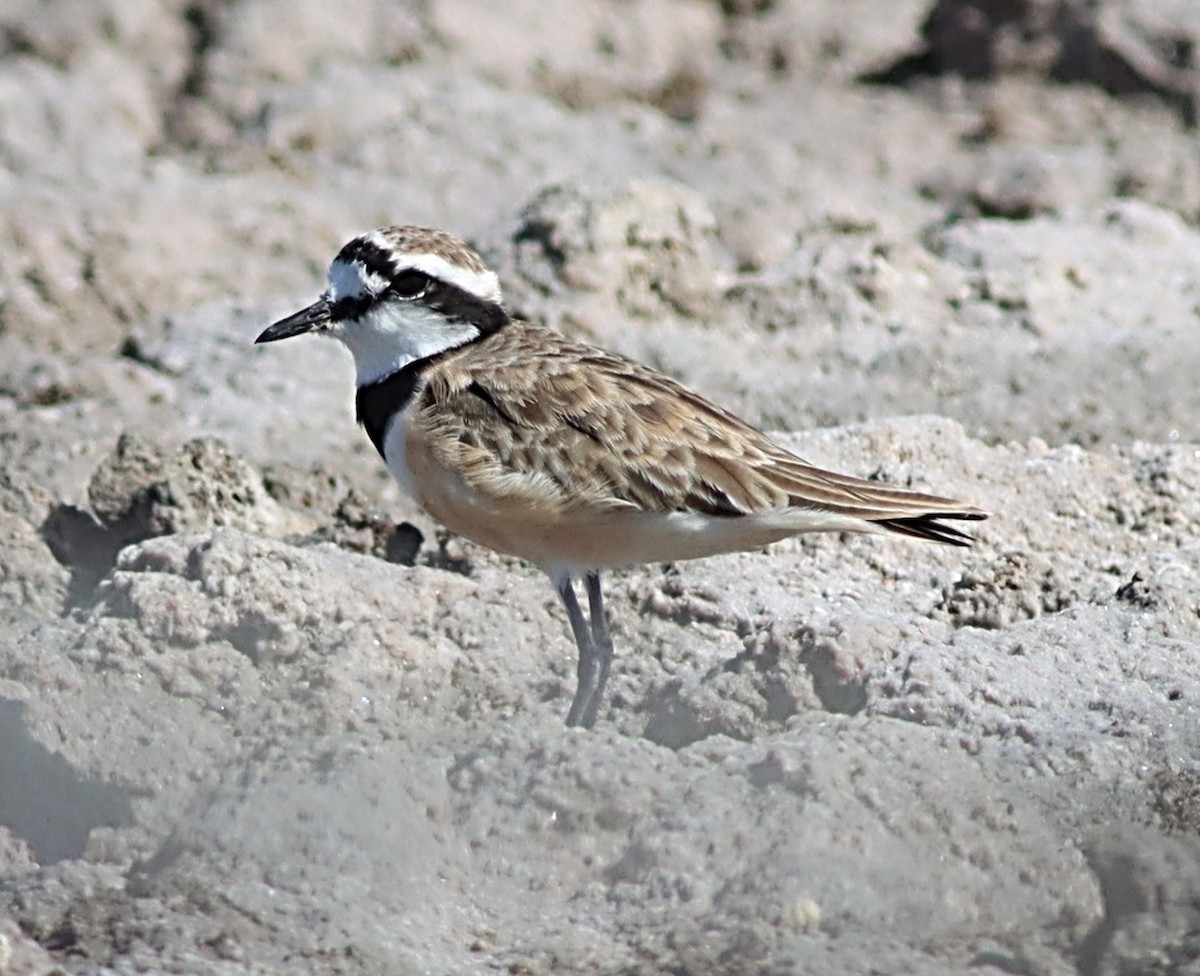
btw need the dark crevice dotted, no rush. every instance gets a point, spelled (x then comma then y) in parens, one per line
(84, 546)
(44, 800)
(540, 231)
(837, 693)
(203, 18)
(980, 41)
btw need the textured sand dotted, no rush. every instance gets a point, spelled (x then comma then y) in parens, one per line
(259, 715)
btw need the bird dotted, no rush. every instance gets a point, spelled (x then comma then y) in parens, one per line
(575, 459)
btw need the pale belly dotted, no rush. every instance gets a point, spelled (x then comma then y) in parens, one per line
(517, 515)
(580, 540)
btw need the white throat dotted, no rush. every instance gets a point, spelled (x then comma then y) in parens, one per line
(395, 333)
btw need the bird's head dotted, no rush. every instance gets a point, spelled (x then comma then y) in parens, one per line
(399, 295)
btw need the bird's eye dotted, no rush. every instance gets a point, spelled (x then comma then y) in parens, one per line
(409, 284)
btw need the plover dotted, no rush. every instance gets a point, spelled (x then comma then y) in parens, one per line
(572, 458)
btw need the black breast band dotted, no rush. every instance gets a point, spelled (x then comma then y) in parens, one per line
(378, 403)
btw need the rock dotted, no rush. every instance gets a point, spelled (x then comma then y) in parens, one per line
(33, 584)
(142, 491)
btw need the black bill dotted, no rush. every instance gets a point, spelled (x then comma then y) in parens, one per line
(307, 319)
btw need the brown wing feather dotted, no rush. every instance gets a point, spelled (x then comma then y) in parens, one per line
(665, 448)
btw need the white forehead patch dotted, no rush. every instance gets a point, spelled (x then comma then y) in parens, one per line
(352, 279)
(349, 279)
(481, 284)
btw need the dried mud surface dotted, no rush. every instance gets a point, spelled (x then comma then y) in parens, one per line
(258, 714)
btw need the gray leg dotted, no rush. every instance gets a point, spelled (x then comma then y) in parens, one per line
(588, 670)
(601, 644)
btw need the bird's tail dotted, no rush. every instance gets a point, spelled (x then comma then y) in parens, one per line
(929, 526)
(885, 507)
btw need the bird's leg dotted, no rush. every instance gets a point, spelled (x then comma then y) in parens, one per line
(582, 711)
(601, 644)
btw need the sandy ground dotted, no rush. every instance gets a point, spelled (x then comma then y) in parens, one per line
(259, 715)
